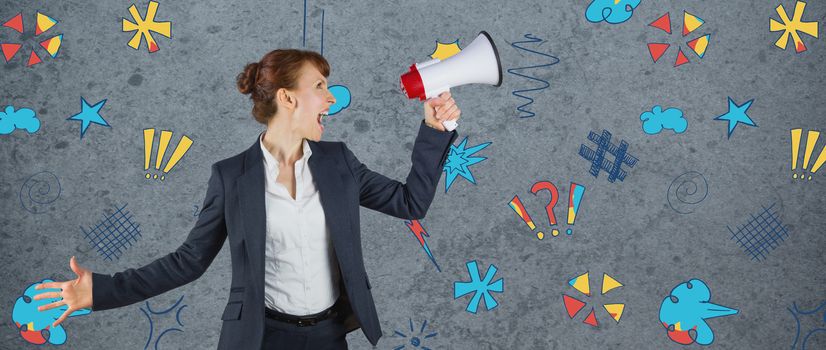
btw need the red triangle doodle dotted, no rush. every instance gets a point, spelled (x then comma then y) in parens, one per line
(657, 50)
(591, 319)
(15, 23)
(33, 59)
(572, 305)
(9, 50)
(681, 59)
(664, 23)
(800, 47)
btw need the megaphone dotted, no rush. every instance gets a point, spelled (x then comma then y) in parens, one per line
(478, 63)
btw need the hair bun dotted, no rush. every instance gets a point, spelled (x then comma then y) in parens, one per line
(246, 80)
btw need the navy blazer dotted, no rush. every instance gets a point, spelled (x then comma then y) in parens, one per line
(234, 207)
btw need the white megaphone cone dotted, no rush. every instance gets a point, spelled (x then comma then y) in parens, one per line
(478, 63)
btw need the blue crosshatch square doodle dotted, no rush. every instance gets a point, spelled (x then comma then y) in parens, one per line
(114, 234)
(762, 234)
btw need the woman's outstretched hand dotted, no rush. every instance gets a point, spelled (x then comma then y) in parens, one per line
(440, 109)
(76, 294)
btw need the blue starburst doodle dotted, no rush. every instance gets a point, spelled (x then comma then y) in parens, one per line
(89, 114)
(415, 341)
(479, 288)
(149, 312)
(459, 160)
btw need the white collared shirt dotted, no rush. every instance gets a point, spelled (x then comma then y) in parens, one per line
(301, 273)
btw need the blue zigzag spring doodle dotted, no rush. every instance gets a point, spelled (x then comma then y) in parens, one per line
(523, 112)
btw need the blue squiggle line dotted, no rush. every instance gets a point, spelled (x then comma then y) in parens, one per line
(524, 113)
(304, 32)
(322, 32)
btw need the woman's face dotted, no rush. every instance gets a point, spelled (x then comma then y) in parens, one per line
(313, 103)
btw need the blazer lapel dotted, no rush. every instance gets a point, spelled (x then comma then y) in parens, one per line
(253, 208)
(327, 177)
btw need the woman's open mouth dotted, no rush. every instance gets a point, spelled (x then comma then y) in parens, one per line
(320, 117)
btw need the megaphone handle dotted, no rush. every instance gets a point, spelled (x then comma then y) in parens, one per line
(450, 125)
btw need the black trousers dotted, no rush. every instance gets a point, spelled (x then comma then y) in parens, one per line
(329, 334)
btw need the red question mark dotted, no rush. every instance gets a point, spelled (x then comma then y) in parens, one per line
(545, 185)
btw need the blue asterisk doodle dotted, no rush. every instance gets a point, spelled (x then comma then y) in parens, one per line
(737, 114)
(89, 114)
(458, 161)
(480, 288)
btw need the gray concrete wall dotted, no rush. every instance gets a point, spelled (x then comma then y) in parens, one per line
(633, 230)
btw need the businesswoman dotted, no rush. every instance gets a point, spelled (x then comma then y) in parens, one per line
(290, 208)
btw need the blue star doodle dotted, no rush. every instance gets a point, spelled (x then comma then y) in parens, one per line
(415, 341)
(458, 161)
(737, 114)
(149, 311)
(479, 288)
(89, 114)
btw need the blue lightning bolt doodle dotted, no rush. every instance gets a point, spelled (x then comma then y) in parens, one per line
(149, 311)
(418, 231)
(458, 161)
(524, 113)
(416, 341)
(89, 114)
(479, 288)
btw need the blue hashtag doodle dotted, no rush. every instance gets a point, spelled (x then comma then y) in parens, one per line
(479, 288)
(597, 158)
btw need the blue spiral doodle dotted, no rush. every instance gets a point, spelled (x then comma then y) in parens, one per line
(39, 189)
(524, 113)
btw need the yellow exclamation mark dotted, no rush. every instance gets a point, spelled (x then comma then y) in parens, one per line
(166, 135)
(148, 137)
(811, 140)
(163, 143)
(819, 162)
(179, 152)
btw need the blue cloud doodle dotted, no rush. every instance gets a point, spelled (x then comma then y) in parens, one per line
(23, 118)
(611, 11)
(655, 121)
(342, 95)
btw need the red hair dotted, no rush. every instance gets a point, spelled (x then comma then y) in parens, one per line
(277, 69)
